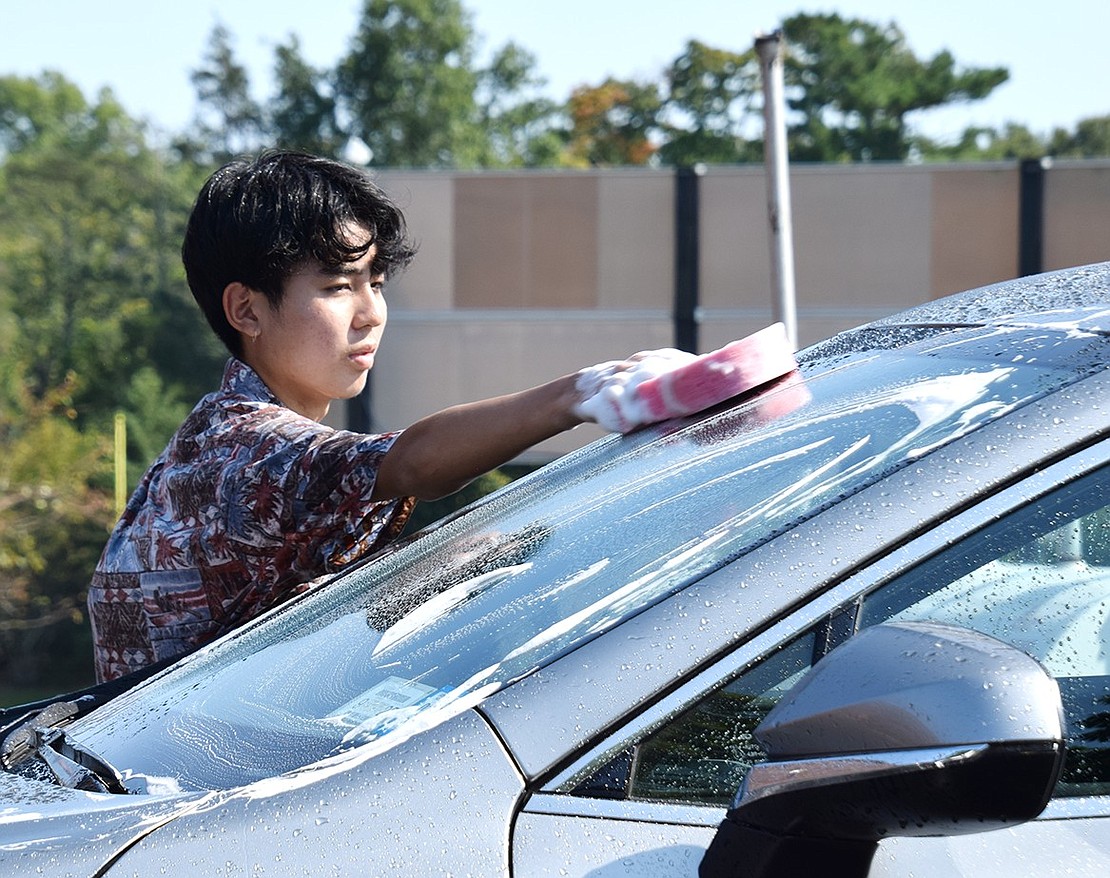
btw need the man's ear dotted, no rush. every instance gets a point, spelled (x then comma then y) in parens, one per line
(241, 305)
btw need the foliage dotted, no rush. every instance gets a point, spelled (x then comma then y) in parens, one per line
(711, 93)
(409, 87)
(410, 90)
(612, 124)
(154, 410)
(302, 114)
(521, 127)
(33, 110)
(94, 318)
(53, 521)
(986, 144)
(90, 225)
(1091, 139)
(854, 83)
(231, 121)
(408, 84)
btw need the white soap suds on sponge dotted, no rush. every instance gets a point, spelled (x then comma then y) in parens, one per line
(656, 385)
(607, 392)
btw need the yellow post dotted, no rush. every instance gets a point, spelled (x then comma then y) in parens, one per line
(121, 462)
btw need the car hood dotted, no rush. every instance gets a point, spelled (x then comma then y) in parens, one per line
(47, 829)
(451, 787)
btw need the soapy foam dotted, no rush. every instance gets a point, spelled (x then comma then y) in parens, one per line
(607, 392)
(669, 383)
(722, 374)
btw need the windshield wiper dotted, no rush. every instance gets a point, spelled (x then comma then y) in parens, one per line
(40, 736)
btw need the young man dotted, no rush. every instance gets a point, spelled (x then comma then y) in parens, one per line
(253, 498)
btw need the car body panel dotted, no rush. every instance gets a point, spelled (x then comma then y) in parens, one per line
(551, 712)
(63, 832)
(624, 820)
(336, 814)
(1077, 848)
(637, 846)
(566, 846)
(1052, 293)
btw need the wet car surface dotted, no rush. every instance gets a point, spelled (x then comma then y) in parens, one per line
(573, 676)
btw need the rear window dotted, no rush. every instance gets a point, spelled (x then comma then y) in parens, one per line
(564, 555)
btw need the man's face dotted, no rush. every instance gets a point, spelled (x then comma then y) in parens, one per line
(320, 343)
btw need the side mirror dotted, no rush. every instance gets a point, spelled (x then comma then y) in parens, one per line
(907, 729)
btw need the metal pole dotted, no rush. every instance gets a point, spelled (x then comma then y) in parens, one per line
(687, 237)
(119, 441)
(769, 49)
(1031, 216)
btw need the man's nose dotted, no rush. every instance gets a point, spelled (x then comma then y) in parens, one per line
(371, 310)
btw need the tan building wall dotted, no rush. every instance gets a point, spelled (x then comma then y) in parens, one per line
(1077, 214)
(523, 276)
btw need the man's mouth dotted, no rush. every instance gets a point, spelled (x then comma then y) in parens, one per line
(363, 356)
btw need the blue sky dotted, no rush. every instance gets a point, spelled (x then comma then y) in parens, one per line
(143, 50)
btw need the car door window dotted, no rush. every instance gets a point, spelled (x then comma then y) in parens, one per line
(702, 756)
(1039, 578)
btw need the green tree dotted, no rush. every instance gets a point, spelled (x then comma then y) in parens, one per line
(302, 115)
(854, 83)
(36, 109)
(985, 144)
(95, 317)
(53, 522)
(710, 96)
(90, 226)
(229, 122)
(154, 410)
(521, 126)
(1091, 139)
(63, 251)
(407, 88)
(408, 84)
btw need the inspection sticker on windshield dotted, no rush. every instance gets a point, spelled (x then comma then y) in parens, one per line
(392, 693)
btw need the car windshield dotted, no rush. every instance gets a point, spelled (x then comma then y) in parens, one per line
(564, 555)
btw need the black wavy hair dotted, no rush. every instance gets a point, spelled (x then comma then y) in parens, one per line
(258, 221)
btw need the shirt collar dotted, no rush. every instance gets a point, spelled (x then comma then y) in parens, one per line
(241, 380)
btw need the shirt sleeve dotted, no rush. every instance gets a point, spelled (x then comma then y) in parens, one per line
(335, 517)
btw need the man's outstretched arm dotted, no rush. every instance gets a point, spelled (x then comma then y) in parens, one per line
(445, 451)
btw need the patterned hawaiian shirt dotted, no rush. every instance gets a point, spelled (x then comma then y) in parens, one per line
(249, 502)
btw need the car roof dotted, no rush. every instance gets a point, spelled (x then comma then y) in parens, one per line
(1069, 300)
(1073, 297)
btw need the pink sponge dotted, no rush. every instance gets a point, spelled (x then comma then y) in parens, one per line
(722, 374)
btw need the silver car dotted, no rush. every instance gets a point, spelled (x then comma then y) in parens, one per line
(858, 621)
